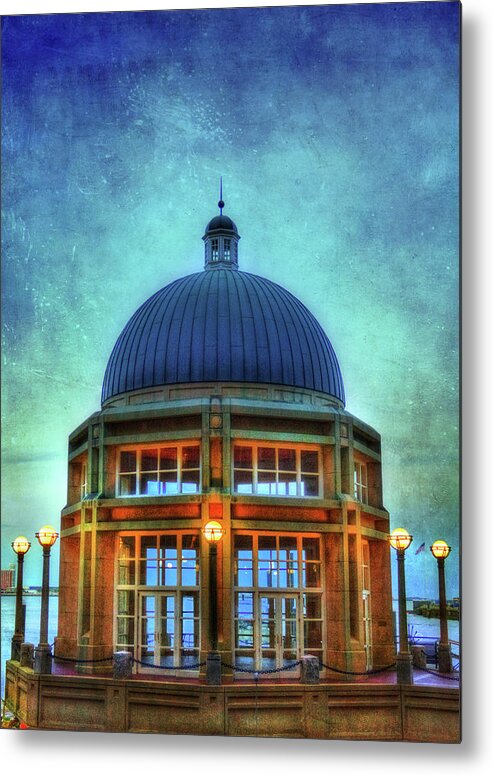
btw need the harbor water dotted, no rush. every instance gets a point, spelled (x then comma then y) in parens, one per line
(33, 612)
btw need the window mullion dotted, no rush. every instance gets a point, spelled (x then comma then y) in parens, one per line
(137, 472)
(178, 467)
(298, 471)
(255, 468)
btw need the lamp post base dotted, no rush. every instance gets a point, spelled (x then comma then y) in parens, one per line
(43, 659)
(213, 669)
(404, 669)
(444, 658)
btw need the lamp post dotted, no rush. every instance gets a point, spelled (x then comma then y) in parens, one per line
(42, 656)
(213, 532)
(21, 547)
(400, 540)
(440, 551)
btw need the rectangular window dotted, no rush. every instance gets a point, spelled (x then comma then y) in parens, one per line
(278, 612)
(227, 249)
(159, 471)
(215, 250)
(360, 481)
(83, 480)
(157, 598)
(276, 471)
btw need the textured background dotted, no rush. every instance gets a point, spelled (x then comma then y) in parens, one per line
(336, 131)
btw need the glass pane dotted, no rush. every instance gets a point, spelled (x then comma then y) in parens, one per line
(149, 485)
(244, 633)
(167, 621)
(243, 457)
(190, 481)
(189, 563)
(126, 602)
(244, 561)
(169, 554)
(288, 574)
(289, 634)
(267, 547)
(289, 608)
(148, 547)
(244, 482)
(148, 573)
(267, 616)
(267, 574)
(311, 548)
(126, 572)
(243, 544)
(147, 628)
(126, 546)
(168, 459)
(170, 571)
(190, 622)
(287, 459)
(125, 631)
(245, 660)
(266, 483)
(167, 545)
(169, 483)
(309, 486)
(309, 461)
(244, 605)
(311, 574)
(288, 548)
(128, 462)
(313, 635)
(312, 606)
(244, 627)
(148, 460)
(190, 457)
(267, 458)
(287, 485)
(128, 484)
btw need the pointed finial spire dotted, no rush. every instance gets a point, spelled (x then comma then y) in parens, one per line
(220, 204)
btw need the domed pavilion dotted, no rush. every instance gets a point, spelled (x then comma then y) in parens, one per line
(223, 401)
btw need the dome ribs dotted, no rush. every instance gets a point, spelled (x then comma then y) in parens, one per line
(184, 363)
(145, 354)
(273, 371)
(223, 326)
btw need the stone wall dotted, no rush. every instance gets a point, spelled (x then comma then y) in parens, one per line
(322, 711)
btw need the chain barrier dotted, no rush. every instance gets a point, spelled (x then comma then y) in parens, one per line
(256, 673)
(440, 675)
(290, 666)
(83, 661)
(351, 672)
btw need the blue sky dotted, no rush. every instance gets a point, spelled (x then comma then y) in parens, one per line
(336, 131)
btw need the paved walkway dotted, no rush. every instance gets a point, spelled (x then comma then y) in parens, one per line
(428, 677)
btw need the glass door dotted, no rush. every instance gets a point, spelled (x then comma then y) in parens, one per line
(156, 646)
(279, 630)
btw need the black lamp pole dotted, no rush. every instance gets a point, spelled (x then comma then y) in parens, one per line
(21, 547)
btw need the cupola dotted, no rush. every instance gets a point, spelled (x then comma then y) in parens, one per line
(221, 240)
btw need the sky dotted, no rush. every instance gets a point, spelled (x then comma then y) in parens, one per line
(336, 131)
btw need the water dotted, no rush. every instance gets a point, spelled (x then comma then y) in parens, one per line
(429, 629)
(33, 611)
